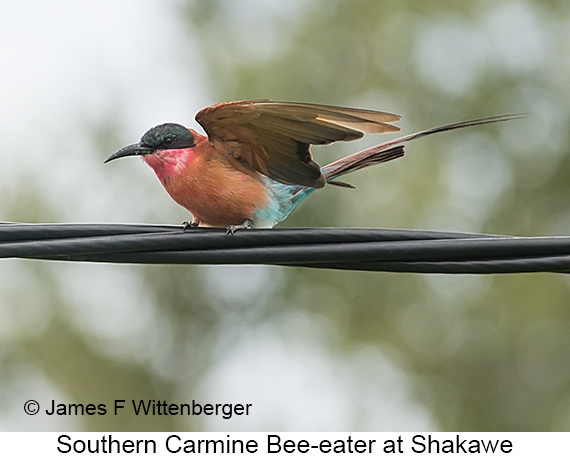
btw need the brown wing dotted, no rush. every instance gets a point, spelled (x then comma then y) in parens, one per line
(274, 138)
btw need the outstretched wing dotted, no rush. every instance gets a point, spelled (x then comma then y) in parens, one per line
(274, 138)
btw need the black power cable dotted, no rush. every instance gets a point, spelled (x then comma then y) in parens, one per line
(348, 249)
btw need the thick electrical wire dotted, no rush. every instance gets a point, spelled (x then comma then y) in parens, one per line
(335, 248)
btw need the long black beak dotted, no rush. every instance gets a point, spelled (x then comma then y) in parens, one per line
(131, 150)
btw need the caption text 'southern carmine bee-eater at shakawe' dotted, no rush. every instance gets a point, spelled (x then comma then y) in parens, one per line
(255, 165)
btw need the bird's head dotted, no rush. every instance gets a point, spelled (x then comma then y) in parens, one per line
(162, 146)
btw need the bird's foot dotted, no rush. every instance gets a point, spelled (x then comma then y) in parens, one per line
(187, 225)
(247, 224)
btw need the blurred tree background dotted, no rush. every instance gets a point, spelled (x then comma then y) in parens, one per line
(312, 350)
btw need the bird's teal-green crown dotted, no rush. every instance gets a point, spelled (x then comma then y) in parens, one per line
(168, 136)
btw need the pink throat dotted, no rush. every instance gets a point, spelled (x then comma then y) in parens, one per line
(169, 162)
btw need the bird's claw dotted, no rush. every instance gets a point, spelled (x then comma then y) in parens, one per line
(186, 225)
(232, 229)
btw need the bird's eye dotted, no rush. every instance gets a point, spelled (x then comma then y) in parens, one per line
(168, 141)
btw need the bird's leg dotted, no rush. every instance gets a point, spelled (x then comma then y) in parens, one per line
(186, 225)
(247, 224)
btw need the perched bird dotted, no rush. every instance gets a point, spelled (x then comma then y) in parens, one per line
(255, 166)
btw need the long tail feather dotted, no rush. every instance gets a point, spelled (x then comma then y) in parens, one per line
(384, 152)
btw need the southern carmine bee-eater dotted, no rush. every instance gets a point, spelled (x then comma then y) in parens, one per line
(255, 166)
